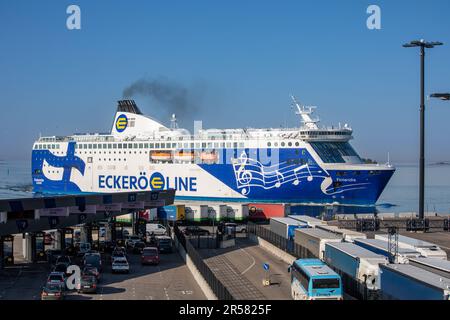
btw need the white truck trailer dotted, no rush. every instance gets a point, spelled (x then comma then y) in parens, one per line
(286, 226)
(315, 239)
(426, 249)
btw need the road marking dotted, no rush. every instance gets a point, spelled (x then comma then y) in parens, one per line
(165, 292)
(253, 263)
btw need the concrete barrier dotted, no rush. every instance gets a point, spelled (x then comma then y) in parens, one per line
(286, 257)
(207, 291)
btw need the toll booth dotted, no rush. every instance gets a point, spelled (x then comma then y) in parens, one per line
(68, 240)
(95, 237)
(118, 235)
(140, 226)
(7, 244)
(38, 247)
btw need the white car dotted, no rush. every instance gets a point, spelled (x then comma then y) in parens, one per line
(155, 228)
(120, 264)
(131, 240)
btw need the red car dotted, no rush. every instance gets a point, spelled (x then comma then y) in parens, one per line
(150, 255)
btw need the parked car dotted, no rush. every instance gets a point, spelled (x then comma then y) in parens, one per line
(164, 243)
(53, 255)
(93, 259)
(52, 291)
(131, 240)
(150, 255)
(155, 228)
(64, 259)
(120, 264)
(58, 278)
(195, 231)
(83, 248)
(88, 284)
(239, 228)
(61, 267)
(138, 247)
(91, 271)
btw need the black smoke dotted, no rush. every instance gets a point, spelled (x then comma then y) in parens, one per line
(168, 96)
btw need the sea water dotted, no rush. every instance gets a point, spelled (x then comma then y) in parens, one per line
(400, 195)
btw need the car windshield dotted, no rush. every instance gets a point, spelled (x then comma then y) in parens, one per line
(332, 283)
(92, 259)
(90, 270)
(140, 245)
(120, 262)
(60, 267)
(150, 252)
(55, 277)
(87, 278)
(52, 287)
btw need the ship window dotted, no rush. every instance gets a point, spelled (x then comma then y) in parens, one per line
(152, 145)
(276, 144)
(94, 146)
(124, 146)
(269, 144)
(203, 145)
(130, 146)
(209, 145)
(163, 145)
(114, 146)
(157, 145)
(141, 145)
(282, 144)
(145, 145)
(222, 144)
(241, 144)
(297, 144)
(89, 146)
(109, 145)
(333, 152)
(53, 146)
(290, 144)
(234, 145)
(105, 146)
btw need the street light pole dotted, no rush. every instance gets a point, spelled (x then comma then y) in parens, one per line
(422, 44)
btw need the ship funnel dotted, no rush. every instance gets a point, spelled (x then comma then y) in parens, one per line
(128, 106)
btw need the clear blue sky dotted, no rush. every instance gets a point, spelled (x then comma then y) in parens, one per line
(246, 56)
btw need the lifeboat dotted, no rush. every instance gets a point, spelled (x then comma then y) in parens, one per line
(209, 156)
(161, 155)
(184, 156)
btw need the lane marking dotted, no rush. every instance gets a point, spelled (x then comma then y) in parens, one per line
(253, 263)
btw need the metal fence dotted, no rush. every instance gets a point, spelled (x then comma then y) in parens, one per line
(214, 283)
(280, 242)
(410, 224)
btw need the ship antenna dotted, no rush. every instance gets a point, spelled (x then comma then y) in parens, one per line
(173, 122)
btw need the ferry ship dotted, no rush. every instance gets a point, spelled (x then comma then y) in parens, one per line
(307, 164)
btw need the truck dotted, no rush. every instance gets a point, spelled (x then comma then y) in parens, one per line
(358, 267)
(285, 226)
(408, 282)
(314, 240)
(347, 235)
(435, 265)
(426, 249)
(382, 247)
(196, 212)
(312, 222)
(234, 211)
(266, 211)
(171, 213)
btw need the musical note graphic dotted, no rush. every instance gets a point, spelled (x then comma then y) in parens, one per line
(250, 173)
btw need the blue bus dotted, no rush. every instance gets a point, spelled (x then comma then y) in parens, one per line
(312, 279)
